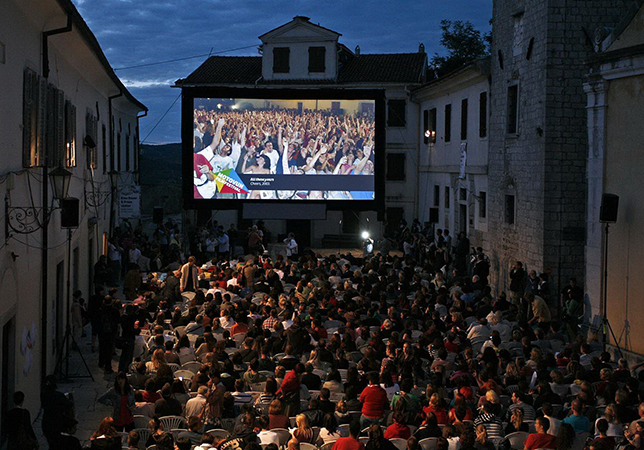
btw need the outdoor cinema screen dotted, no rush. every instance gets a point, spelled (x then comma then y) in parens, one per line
(266, 149)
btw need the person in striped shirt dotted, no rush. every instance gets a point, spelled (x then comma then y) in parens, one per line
(490, 421)
(517, 402)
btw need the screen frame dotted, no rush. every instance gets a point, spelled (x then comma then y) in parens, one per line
(189, 94)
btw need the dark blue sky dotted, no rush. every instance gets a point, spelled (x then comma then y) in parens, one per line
(135, 32)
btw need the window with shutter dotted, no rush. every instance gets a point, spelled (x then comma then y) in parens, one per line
(70, 134)
(91, 131)
(30, 109)
(127, 152)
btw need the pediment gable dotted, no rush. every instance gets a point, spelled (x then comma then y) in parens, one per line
(300, 28)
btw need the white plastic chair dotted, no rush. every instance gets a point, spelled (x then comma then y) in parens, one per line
(172, 422)
(283, 435)
(192, 366)
(327, 446)
(401, 444)
(517, 439)
(184, 374)
(428, 443)
(219, 433)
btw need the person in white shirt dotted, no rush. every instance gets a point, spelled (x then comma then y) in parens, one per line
(291, 245)
(500, 325)
(224, 243)
(134, 254)
(195, 406)
(478, 331)
(267, 436)
(555, 423)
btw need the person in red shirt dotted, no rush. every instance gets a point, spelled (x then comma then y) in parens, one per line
(436, 407)
(540, 439)
(373, 399)
(290, 390)
(240, 326)
(351, 442)
(398, 429)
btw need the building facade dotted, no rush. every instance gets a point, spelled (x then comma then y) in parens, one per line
(62, 108)
(285, 61)
(538, 137)
(615, 93)
(453, 151)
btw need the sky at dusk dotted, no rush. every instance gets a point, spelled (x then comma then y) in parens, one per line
(133, 32)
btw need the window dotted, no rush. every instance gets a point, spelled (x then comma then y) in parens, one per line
(70, 134)
(396, 167)
(517, 44)
(482, 205)
(396, 109)
(462, 194)
(135, 145)
(317, 56)
(127, 152)
(429, 126)
(513, 109)
(448, 123)
(281, 60)
(31, 125)
(112, 147)
(437, 195)
(464, 119)
(104, 147)
(509, 209)
(3, 53)
(91, 130)
(446, 197)
(483, 114)
(118, 151)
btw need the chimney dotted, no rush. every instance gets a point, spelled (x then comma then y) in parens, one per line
(357, 50)
(421, 48)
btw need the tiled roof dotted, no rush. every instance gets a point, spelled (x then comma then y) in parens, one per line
(226, 70)
(404, 68)
(384, 68)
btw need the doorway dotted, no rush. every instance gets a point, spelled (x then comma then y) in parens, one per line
(350, 222)
(59, 306)
(462, 219)
(393, 216)
(90, 265)
(8, 364)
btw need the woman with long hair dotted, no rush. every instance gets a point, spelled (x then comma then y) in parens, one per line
(377, 439)
(516, 422)
(329, 431)
(615, 428)
(565, 437)
(276, 416)
(156, 362)
(121, 398)
(106, 437)
(266, 398)
(303, 432)
(184, 349)
(482, 442)
(158, 436)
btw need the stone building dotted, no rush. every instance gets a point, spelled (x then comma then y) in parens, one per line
(538, 137)
(615, 90)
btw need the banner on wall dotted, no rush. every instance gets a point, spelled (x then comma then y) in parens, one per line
(130, 203)
(463, 164)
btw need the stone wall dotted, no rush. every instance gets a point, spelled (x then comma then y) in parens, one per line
(543, 46)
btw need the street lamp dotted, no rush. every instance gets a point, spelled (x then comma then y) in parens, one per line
(60, 179)
(114, 182)
(114, 178)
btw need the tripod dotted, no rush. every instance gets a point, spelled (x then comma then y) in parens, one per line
(69, 337)
(605, 323)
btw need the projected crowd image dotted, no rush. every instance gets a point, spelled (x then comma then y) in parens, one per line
(262, 149)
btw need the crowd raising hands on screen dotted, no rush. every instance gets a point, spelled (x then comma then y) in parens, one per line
(282, 142)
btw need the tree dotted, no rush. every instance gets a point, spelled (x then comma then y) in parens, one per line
(464, 44)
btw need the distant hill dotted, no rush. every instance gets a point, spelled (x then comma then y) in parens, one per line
(160, 178)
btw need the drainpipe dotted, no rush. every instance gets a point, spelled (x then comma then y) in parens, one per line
(45, 44)
(112, 156)
(138, 146)
(44, 330)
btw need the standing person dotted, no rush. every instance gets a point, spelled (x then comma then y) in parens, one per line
(101, 271)
(127, 338)
(109, 320)
(255, 241)
(373, 399)
(57, 408)
(172, 288)
(461, 251)
(517, 275)
(16, 427)
(77, 315)
(114, 254)
(289, 391)
(121, 398)
(232, 235)
(93, 311)
(223, 248)
(291, 245)
(189, 275)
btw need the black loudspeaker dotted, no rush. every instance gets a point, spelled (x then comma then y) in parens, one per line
(69, 213)
(608, 209)
(157, 214)
(433, 215)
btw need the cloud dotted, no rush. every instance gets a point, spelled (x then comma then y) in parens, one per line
(134, 32)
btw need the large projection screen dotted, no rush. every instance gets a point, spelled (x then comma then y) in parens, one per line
(282, 146)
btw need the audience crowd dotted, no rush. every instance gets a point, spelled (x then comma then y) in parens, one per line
(408, 352)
